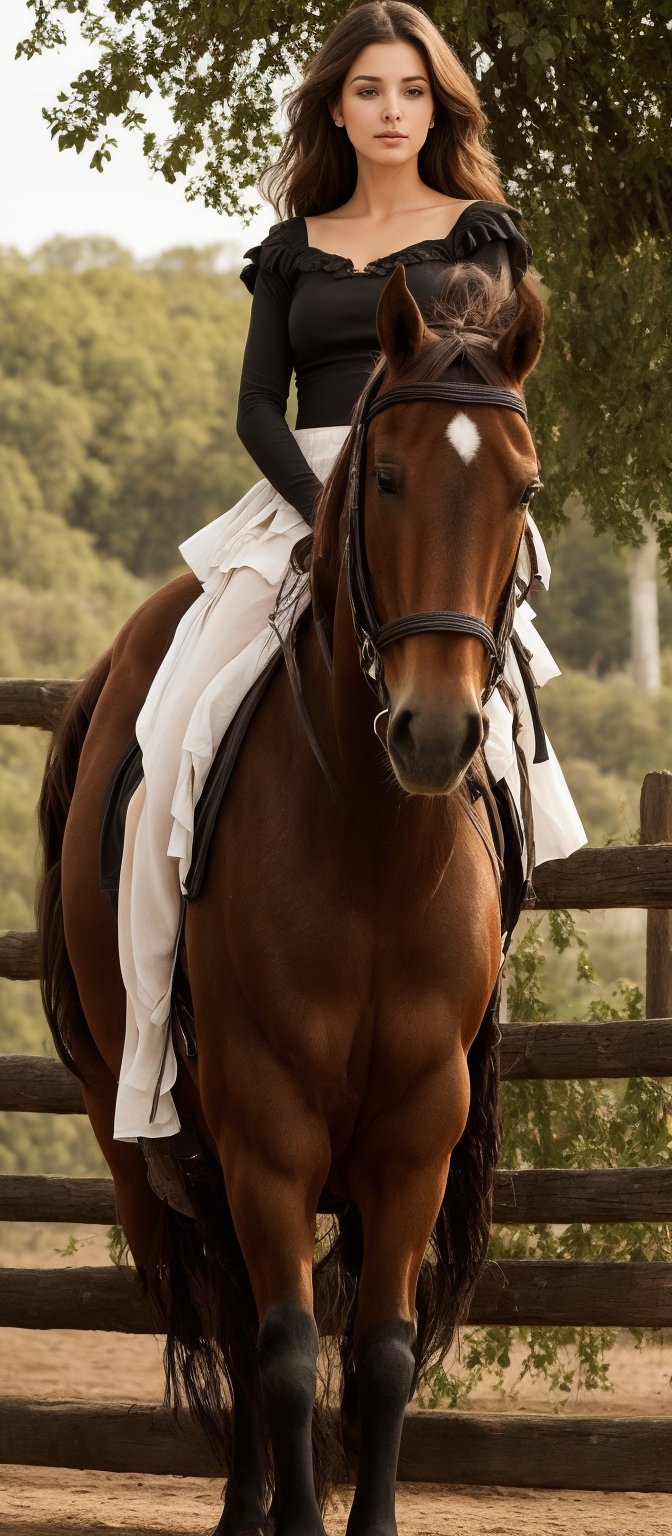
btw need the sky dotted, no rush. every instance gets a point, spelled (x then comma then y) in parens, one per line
(45, 191)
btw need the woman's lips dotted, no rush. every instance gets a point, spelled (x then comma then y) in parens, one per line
(397, 137)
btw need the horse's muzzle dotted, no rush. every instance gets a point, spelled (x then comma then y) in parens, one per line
(430, 750)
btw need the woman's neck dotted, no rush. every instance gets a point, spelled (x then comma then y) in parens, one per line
(382, 192)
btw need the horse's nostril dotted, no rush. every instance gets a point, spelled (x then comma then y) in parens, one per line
(400, 730)
(474, 733)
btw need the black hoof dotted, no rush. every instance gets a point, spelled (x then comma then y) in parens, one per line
(238, 1520)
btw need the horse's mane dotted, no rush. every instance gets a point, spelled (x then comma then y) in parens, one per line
(466, 321)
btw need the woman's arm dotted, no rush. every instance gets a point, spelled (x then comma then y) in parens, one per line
(264, 390)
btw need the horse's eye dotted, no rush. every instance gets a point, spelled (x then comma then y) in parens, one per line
(387, 479)
(528, 493)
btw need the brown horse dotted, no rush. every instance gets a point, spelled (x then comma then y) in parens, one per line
(345, 948)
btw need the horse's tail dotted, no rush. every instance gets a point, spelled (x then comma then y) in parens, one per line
(57, 982)
(459, 1242)
(207, 1310)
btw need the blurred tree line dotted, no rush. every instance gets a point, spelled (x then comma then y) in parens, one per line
(117, 393)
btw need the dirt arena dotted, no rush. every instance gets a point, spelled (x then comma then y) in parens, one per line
(46, 1503)
(111, 1367)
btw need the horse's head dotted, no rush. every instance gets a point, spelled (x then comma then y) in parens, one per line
(443, 495)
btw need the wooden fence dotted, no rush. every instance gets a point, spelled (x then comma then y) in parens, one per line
(520, 1450)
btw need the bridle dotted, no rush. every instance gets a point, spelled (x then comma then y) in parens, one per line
(371, 636)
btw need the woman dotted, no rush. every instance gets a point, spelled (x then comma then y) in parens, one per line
(383, 162)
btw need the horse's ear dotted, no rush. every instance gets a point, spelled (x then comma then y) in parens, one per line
(519, 348)
(399, 322)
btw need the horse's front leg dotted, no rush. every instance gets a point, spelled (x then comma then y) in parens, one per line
(273, 1188)
(397, 1176)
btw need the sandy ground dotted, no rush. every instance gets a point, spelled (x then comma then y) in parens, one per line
(102, 1504)
(116, 1367)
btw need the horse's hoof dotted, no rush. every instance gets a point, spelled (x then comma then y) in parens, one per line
(243, 1525)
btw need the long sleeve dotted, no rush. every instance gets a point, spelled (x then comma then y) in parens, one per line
(264, 390)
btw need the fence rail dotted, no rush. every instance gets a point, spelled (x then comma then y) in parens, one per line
(558, 1293)
(558, 1195)
(525, 1451)
(614, 1048)
(37, 701)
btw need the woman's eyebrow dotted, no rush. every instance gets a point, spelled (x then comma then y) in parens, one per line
(378, 78)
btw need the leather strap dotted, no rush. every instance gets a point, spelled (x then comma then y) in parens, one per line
(446, 389)
(441, 622)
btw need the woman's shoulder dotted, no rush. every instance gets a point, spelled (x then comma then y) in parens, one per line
(483, 222)
(279, 251)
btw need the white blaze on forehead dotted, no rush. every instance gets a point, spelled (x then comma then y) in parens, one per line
(464, 435)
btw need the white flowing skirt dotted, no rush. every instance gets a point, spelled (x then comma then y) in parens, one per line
(221, 644)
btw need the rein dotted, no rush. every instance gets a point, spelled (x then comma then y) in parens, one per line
(371, 636)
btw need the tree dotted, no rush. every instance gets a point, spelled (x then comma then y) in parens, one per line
(576, 92)
(644, 616)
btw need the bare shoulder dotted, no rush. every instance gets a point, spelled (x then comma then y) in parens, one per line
(437, 202)
(454, 205)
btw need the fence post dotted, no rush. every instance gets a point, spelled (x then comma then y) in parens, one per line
(656, 827)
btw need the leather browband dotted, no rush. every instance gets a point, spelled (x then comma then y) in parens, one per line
(444, 389)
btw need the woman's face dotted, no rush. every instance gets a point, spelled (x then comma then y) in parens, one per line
(386, 104)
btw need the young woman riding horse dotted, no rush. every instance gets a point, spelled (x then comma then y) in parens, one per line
(343, 953)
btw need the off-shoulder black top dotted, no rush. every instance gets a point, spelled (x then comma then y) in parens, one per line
(314, 314)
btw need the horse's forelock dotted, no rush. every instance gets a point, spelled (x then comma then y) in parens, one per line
(466, 321)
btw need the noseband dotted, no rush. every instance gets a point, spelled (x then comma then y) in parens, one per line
(371, 636)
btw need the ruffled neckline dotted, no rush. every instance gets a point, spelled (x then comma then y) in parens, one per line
(286, 251)
(311, 258)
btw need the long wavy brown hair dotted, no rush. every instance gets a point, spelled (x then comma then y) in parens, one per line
(316, 170)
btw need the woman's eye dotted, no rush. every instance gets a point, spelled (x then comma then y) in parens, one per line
(386, 480)
(413, 90)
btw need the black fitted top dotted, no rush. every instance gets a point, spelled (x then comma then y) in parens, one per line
(314, 314)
